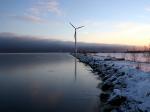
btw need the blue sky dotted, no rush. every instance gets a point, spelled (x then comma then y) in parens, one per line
(106, 21)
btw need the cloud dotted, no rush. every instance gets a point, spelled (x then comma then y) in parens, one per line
(8, 34)
(46, 6)
(147, 9)
(25, 17)
(39, 10)
(30, 18)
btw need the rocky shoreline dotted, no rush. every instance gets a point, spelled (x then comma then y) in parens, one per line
(116, 93)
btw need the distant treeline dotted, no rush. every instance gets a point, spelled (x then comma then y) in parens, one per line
(137, 51)
(145, 49)
(22, 44)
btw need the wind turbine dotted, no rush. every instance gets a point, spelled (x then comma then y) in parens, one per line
(75, 36)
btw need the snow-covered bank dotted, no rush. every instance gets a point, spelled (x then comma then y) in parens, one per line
(140, 59)
(126, 89)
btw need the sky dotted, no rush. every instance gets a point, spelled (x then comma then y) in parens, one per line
(106, 21)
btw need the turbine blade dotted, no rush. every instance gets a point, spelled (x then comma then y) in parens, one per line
(72, 25)
(80, 27)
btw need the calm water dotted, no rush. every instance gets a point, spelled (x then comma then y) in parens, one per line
(46, 83)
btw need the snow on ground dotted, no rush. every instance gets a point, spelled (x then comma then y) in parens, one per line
(140, 59)
(124, 80)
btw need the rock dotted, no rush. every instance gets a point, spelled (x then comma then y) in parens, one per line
(115, 70)
(123, 73)
(113, 65)
(108, 110)
(101, 74)
(113, 79)
(107, 86)
(107, 59)
(109, 68)
(105, 78)
(94, 66)
(117, 100)
(120, 59)
(104, 97)
(105, 65)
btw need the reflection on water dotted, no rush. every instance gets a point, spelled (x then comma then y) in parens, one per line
(46, 83)
(75, 69)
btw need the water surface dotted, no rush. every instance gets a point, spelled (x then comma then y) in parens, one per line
(46, 83)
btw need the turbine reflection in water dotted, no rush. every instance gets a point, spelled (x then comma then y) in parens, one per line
(75, 69)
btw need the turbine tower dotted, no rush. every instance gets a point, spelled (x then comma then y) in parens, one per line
(75, 36)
